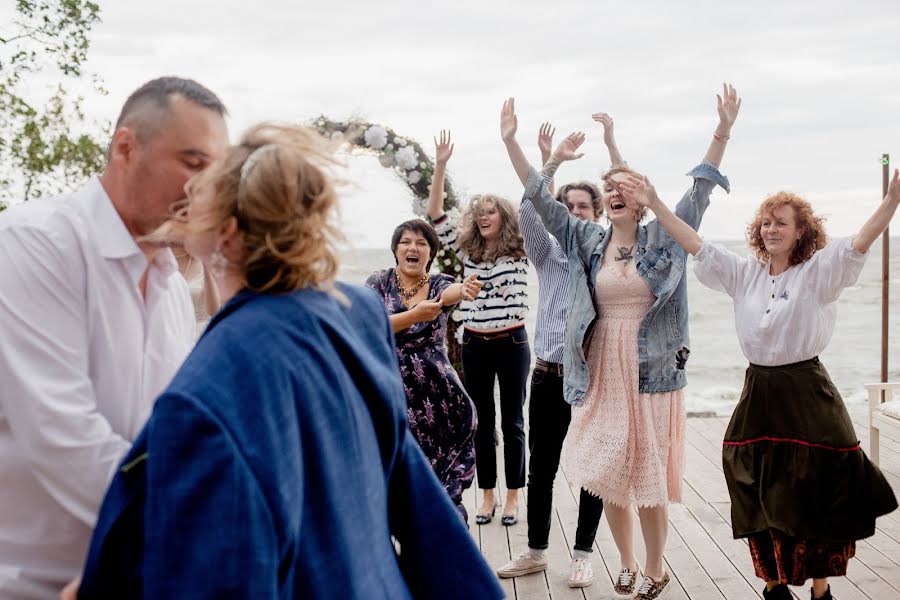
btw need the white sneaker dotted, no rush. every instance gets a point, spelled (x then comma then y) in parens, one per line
(523, 565)
(581, 574)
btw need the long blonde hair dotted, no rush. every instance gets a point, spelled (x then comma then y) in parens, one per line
(509, 240)
(283, 199)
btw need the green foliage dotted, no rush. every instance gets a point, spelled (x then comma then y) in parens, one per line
(47, 147)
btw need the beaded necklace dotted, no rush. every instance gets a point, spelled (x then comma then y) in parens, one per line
(407, 293)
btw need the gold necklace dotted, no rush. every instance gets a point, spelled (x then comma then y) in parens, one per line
(407, 293)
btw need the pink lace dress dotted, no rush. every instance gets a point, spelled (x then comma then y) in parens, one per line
(624, 446)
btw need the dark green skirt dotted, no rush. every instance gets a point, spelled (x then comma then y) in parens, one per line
(793, 462)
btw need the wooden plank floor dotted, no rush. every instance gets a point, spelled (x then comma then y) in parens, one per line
(705, 562)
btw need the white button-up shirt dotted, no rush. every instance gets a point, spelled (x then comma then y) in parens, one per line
(82, 358)
(787, 318)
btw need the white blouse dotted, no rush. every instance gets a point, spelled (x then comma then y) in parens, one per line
(787, 318)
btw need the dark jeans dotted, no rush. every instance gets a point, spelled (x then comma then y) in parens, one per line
(548, 421)
(507, 359)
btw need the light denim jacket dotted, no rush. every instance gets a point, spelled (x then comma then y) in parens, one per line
(663, 343)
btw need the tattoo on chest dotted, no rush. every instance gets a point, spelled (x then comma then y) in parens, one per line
(625, 254)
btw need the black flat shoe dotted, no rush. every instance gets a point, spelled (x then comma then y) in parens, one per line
(779, 592)
(510, 519)
(483, 519)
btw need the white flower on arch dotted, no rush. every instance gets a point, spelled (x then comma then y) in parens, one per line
(376, 137)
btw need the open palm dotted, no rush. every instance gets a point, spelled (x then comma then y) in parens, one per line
(509, 123)
(568, 148)
(728, 105)
(443, 147)
(545, 138)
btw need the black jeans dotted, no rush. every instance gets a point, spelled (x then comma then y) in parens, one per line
(507, 359)
(548, 421)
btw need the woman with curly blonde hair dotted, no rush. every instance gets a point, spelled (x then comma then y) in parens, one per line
(802, 490)
(495, 343)
(279, 462)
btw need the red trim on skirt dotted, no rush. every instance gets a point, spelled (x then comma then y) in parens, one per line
(792, 441)
(785, 559)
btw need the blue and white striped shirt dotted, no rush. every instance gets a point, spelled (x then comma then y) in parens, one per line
(503, 301)
(552, 267)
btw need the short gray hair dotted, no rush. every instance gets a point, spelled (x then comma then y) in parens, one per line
(146, 108)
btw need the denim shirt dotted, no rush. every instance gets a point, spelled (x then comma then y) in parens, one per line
(663, 343)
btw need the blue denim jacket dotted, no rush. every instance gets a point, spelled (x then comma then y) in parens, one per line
(663, 343)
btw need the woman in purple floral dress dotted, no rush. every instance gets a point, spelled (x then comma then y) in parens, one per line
(441, 414)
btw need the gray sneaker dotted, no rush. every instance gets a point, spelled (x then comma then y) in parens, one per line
(523, 565)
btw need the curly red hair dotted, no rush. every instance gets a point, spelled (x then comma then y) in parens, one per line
(812, 239)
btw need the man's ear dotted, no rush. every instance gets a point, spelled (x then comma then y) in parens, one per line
(123, 146)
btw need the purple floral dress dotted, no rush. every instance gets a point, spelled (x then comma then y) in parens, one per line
(441, 414)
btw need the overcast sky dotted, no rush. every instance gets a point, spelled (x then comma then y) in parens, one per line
(820, 84)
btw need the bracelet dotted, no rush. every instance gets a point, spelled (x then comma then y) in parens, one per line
(721, 138)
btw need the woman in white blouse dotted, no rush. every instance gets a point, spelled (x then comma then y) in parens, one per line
(802, 491)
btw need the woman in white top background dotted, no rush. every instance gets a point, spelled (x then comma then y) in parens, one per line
(802, 490)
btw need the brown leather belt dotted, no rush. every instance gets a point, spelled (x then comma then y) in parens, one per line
(495, 336)
(549, 367)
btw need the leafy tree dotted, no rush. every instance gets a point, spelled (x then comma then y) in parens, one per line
(47, 148)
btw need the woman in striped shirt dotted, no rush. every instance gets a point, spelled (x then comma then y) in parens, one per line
(495, 344)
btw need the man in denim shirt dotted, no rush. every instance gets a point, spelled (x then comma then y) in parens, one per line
(549, 413)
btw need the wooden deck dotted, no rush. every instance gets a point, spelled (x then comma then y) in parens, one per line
(705, 562)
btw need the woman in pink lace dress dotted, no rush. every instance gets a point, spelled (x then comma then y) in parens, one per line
(625, 442)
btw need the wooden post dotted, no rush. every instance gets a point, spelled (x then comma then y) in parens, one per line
(885, 271)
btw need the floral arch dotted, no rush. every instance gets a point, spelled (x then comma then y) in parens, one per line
(414, 168)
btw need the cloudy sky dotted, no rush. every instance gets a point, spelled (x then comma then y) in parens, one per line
(820, 84)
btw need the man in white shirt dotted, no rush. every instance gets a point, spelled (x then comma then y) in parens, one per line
(93, 325)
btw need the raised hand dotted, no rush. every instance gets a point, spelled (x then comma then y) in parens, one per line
(893, 194)
(727, 105)
(427, 310)
(637, 192)
(509, 123)
(545, 139)
(471, 287)
(443, 148)
(609, 137)
(568, 148)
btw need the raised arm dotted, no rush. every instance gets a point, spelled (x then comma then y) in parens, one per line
(545, 143)
(640, 192)
(509, 123)
(727, 105)
(565, 227)
(443, 152)
(609, 138)
(879, 221)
